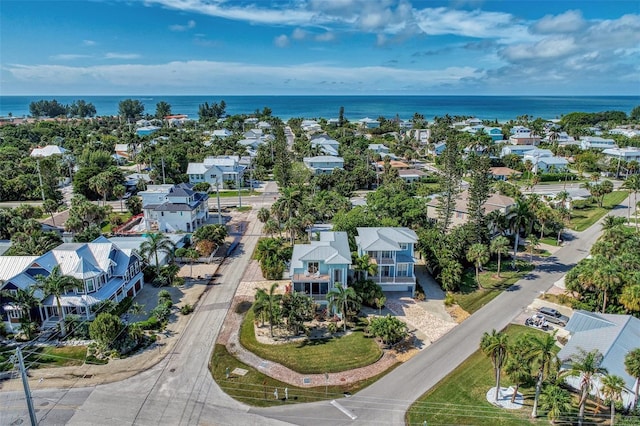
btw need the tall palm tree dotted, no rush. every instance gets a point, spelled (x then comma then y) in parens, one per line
(534, 242)
(632, 366)
(612, 386)
(585, 365)
(495, 345)
(101, 184)
(271, 227)
(269, 304)
(118, 192)
(56, 284)
(26, 301)
(521, 215)
(556, 401)
(542, 354)
(272, 255)
(478, 254)
(606, 277)
(155, 244)
(499, 246)
(339, 297)
(517, 364)
(632, 184)
(263, 215)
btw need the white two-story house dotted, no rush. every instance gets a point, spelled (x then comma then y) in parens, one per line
(323, 164)
(174, 208)
(221, 170)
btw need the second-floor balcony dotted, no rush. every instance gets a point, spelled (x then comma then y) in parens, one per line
(391, 280)
(311, 278)
(383, 260)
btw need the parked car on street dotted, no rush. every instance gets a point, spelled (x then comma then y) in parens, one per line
(553, 316)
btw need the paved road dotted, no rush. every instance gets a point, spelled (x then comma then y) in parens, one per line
(180, 390)
(177, 391)
(386, 401)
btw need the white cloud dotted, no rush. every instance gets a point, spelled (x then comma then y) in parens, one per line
(567, 22)
(177, 27)
(325, 37)
(281, 41)
(557, 47)
(116, 55)
(67, 57)
(88, 42)
(298, 34)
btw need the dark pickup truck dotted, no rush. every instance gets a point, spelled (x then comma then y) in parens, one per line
(553, 316)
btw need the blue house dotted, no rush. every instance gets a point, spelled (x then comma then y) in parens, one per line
(317, 266)
(392, 249)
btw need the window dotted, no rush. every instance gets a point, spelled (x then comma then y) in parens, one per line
(90, 286)
(403, 270)
(385, 271)
(337, 275)
(313, 267)
(15, 313)
(387, 255)
(404, 246)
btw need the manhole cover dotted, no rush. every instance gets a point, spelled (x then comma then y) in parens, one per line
(306, 381)
(172, 370)
(44, 404)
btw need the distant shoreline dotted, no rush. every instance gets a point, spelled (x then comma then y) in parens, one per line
(489, 107)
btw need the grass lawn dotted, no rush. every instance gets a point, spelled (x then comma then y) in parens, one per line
(232, 193)
(471, 299)
(49, 356)
(552, 241)
(244, 208)
(460, 398)
(318, 356)
(257, 389)
(581, 219)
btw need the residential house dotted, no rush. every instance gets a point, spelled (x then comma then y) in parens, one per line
(379, 148)
(625, 131)
(106, 271)
(327, 145)
(437, 149)
(323, 164)
(495, 133)
(610, 334)
(131, 181)
(146, 130)
(624, 154)
(48, 151)
(334, 122)
(524, 139)
(369, 123)
(395, 164)
(519, 150)
(597, 143)
(217, 170)
(461, 209)
(174, 208)
(411, 175)
(504, 173)
(221, 133)
(551, 165)
(421, 135)
(253, 134)
(392, 249)
(317, 266)
(310, 126)
(133, 242)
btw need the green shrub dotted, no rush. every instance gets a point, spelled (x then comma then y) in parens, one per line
(152, 323)
(449, 299)
(162, 311)
(164, 295)
(186, 309)
(122, 307)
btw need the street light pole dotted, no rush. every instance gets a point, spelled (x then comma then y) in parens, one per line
(218, 196)
(40, 178)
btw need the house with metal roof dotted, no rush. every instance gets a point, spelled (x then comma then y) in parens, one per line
(323, 164)
(48, 151)
(174, 208)
(392, 249)
(106, 272)
(614, 336)
(317, 266)
(218, 170)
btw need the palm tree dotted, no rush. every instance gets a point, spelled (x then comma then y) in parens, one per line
(154, 244)
(517, 365)
(118, 192)
(192, 254)
(26, 301)
(51, 206)
(521, 215)
(606, 277)
(269, 303)
(263, 215)
(612, 386)
(271, 227)
(101, 184)
(534, 242)
(630, 297)
(56, 285)
(632, 366)
(556, 401)
(363, 266)
(272, 255)
(499, 246)
(479, 255)
(585, 365)
(339, 297)
(542, 354)
(495, 346)
(632, 184)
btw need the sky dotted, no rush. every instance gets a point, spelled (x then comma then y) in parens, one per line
(320, 47)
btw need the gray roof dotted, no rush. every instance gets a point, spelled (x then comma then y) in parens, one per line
(613, 335)
(384, 238)
(332, 249)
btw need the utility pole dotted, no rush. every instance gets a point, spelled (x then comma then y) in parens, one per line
(27, 391)
(239, 188)
(163, 177)
(218, 196)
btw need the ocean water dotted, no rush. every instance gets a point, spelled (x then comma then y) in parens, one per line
(502, 108)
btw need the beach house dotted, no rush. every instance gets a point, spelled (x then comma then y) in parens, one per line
(597, 143)
(392, 249)
(106, 272)
(317, 266)
(221, 170)
(323, 164)
(174, 208)
(624, 154)
(461, 209)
